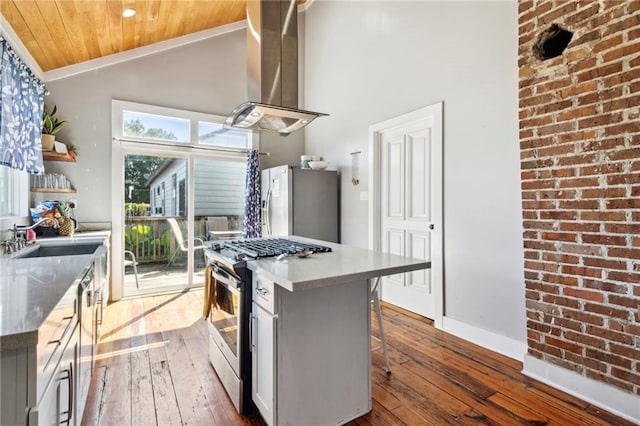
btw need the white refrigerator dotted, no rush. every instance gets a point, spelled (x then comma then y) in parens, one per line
(300, 202)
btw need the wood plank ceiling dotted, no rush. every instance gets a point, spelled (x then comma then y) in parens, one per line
(58, 33)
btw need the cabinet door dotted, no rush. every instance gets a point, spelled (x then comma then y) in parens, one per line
(263, 362)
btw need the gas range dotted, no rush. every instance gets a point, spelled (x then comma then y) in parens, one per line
(235, 253)
(230, 318)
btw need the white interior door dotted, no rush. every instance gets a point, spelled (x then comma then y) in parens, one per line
(410, 204)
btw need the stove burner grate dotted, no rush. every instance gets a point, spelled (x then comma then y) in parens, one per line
(268, 247)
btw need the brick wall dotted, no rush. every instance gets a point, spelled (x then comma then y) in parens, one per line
(580, 176)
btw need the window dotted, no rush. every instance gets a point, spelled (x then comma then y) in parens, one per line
(173, 164)
(13, 192)
(157, 127)
(153, 124)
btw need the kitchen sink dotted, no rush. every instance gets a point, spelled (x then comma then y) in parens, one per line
(51, 250)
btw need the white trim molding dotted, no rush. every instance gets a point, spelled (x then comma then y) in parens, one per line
(116, 58)
(434, 111)
(19, 47)
(610, 398)
(487, 339)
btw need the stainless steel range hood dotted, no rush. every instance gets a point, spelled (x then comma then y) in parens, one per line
(272, 70)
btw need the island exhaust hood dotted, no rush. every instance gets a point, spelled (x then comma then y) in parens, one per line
(272, 70)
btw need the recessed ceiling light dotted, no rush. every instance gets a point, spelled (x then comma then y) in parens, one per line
(128, 12)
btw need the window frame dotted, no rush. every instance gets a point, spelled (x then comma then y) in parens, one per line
(119, 106)
(127, 145)
(18, 197)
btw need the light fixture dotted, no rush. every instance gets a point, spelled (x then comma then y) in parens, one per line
(128, 12)
(354, 168)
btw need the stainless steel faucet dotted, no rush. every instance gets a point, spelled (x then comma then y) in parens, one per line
(19, 235)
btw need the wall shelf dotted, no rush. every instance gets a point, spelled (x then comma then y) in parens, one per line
(53, 190)
(56, 156)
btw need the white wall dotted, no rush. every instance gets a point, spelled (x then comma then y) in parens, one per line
(366, 62)
(207, 76)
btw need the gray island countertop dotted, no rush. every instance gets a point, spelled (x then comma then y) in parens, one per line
(342, 264)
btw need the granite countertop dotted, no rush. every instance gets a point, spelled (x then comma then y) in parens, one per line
(341, 265)
(31, 288)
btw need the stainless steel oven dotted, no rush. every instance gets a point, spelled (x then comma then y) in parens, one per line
(229, 335)
(230, 317)
(225, 315)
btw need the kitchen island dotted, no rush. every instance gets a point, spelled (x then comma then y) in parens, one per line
(311, 327)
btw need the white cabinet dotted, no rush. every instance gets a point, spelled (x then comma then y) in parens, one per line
(58, 403)
(262, 361)
(311, 353)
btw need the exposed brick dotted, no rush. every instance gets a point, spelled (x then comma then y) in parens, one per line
(599, 120)
(577, 159)
(624, 277)
(555, 128)
(600, 72)
(624, 154)
(610, 380)
(605, 286)
(607, 44)
(623, 179)
(595, 296)
(609, 240)
(561, 279)
(599, 193)
(629, 302)
(564, 345)
(608, 358)
(580, 179)
(579, 227)
(630, 127)
(605, 310)
(560, 258)
(609, 334)
(625, 351)
(631, 203)
(627, 253)
(605, 263)
(589, 363)
(572, 113)
(560, 301)
(556, 236)
(627, 376)
(579, 205)
(583, 317)
(579, 183)
(581, 271)
(607, 216)
(620, 228)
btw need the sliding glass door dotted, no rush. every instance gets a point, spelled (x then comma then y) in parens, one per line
(178, 185)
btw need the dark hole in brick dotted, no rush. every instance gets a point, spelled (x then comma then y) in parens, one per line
(552, 42)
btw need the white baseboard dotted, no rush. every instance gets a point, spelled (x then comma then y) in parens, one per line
(618, 402)
(487, 339)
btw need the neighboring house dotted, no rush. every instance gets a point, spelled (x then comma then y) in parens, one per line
(219, 188)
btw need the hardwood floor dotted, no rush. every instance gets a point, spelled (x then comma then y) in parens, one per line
(153, 370)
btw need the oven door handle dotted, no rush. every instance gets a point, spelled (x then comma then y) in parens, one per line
(224, 277)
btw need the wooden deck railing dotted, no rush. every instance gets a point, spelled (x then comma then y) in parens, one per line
(151, 239)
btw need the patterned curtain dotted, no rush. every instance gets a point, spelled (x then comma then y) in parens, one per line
(21, 103)
(252, 228)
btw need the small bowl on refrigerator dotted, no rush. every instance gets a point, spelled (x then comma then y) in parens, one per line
(318, 165)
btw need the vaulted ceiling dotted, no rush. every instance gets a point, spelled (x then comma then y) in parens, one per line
(58, 33)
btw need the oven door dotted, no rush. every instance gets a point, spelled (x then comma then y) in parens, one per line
(226, 316)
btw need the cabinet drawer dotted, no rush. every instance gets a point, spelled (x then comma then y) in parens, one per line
(54, 334)
(264, 293)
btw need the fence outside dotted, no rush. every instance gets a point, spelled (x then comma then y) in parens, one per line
(151, 239)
